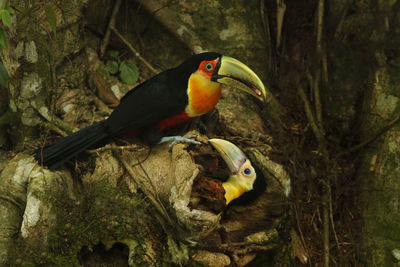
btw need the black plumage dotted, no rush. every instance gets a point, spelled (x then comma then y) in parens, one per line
(156, 99)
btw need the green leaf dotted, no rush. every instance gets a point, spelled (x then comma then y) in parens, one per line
(112, 66)
(3, 38)
(5, 17)
(10, 10)
(129, 72)
(51, 17)
(113, 53)
(3, 75)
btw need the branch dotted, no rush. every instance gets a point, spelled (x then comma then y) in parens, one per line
(280, 13)
(55, 123)
(307, 108)
(301, 234)
(331, 219)
(375, 136)
(267, 33)
(317, 98)
(114, 147)
(111, 25)
(317, 101)
(320, 23)
(135, 52)
(54, 128)
(326, 197)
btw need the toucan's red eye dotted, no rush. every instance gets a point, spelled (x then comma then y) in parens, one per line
(209, 66)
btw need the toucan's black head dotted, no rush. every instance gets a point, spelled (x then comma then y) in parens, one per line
(193, 63)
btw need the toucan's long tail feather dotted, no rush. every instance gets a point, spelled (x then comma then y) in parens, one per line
(64, 149)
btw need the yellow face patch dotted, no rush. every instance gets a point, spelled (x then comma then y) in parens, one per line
(203, 94)
(239, 183)
(232, 191)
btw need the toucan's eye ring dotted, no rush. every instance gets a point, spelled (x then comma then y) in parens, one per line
(247, 171)
(209, 67)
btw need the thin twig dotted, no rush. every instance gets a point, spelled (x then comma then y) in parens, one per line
(320, 23)
(307, 108)
(111, 25)
(326, 195)
(301, 234)
(114, 147)
(55, 128)
(339, 26)
(371, 139)
(331, 219)
(317, 100)
(267, 33)
(135, 52)
(280, 14)
(56, 122)
(324, 59)
(325, 223)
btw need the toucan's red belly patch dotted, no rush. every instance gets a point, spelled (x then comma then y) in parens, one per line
(172, 121)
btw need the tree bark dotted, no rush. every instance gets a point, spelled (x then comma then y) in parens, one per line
(332, 66)
(110, 197)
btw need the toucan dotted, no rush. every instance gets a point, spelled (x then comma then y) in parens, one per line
(246, 181)
(244, 184)
(170, 98)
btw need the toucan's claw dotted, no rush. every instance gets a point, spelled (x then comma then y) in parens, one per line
(179, 139)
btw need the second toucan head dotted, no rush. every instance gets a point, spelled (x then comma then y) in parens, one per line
(228, 71)
(246, 181)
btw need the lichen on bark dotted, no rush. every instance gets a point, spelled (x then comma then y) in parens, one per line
(57, 215)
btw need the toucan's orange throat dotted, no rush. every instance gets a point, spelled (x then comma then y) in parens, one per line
(203, 94)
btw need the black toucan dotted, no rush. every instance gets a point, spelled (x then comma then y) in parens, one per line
(170, 98)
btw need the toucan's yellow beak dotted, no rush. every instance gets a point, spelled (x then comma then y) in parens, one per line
(231, 154)
(243, 175)
(234, 73)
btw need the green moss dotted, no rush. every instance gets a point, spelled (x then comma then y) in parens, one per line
(100, 213)
(385, 237)
(393, 81)
(392, 163)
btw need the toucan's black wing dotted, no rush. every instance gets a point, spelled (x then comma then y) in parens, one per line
(157, 99)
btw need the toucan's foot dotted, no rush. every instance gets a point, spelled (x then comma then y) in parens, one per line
(179, 139)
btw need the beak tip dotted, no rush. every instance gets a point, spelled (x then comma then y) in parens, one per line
(238, 75)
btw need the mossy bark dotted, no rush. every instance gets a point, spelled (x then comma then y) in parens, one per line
(109, 200)
(367, 62)
(57, 218)
(379, 174)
